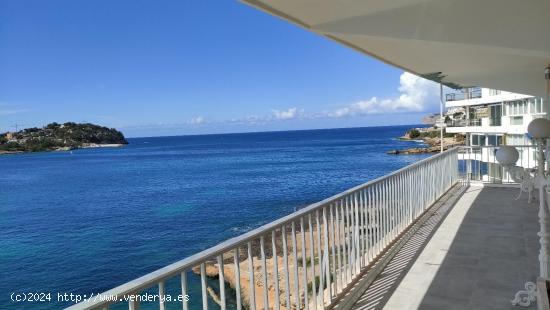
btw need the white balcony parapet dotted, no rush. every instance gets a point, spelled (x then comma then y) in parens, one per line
(326, 246)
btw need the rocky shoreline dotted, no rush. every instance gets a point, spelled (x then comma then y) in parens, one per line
(68, 148)
(432, 139)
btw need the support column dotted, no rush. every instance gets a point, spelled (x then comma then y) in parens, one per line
(546, 104)
(543, 213)
(442, 121)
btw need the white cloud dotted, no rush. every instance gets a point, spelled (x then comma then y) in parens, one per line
(416, 95)
(197, 120)
(287, 114)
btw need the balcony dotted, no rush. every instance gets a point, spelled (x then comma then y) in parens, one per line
(464, 122)
(475, 255)
(344, 252)
(472, 94)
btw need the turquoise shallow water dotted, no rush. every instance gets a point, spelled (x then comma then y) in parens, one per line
(88, 220)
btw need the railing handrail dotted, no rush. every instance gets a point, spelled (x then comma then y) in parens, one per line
(152, 278)
(493, 146)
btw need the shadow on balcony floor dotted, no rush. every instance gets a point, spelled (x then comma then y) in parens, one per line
(478, 258)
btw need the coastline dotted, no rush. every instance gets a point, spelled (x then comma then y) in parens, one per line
(433, 143)
(67, 148)
(96, 145)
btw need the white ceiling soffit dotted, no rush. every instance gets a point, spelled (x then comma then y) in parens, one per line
(501, 44)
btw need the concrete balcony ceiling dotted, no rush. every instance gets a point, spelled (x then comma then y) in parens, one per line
(500, 44)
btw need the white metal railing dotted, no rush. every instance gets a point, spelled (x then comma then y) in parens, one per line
(464, 122)
(306, 259)
(479, 164)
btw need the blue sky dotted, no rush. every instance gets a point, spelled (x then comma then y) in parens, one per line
(153, 68)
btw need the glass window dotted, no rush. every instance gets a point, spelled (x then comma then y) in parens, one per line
(515, 139)
(517, 107)
(491, 140)
(516, 120)
(532, 105)
(494, 140)
(482, 140)
(538, 103)
(475, 140)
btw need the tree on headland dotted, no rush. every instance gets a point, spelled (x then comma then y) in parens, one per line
(414, 133)
(56, 136)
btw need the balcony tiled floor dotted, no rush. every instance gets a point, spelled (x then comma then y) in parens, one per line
(478, 258)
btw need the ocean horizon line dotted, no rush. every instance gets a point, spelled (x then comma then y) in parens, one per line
(272, 131)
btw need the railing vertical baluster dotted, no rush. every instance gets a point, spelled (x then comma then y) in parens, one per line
(339, 250)
(133, 303)
(286, 269)
(365, 227)
(312, 254)
(184, 291)
(351, 237)
(251, 280)
(304, 262)
(391, 191)
(386, 212)
(320, 255)
(369, 226)
(402, 199)
(399, 203)
(387, 197)
(346, 240)
(326, 255)
(203, 287)
(332, 246)
(396, 192)
(378, 218)
(425, 190)
(295, 258)
(410, 179)
(275, 269)
(346, 249)
(264, 272)
(222, 282)
(405, 199)
(362, 232)
(237, 270)
(357, 232)
(162, 296)
(391, 203)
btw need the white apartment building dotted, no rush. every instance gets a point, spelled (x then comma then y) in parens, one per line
(489, 118)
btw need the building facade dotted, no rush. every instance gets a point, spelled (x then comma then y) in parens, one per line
(489, 118)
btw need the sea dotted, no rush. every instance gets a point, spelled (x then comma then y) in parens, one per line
(87, 220)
